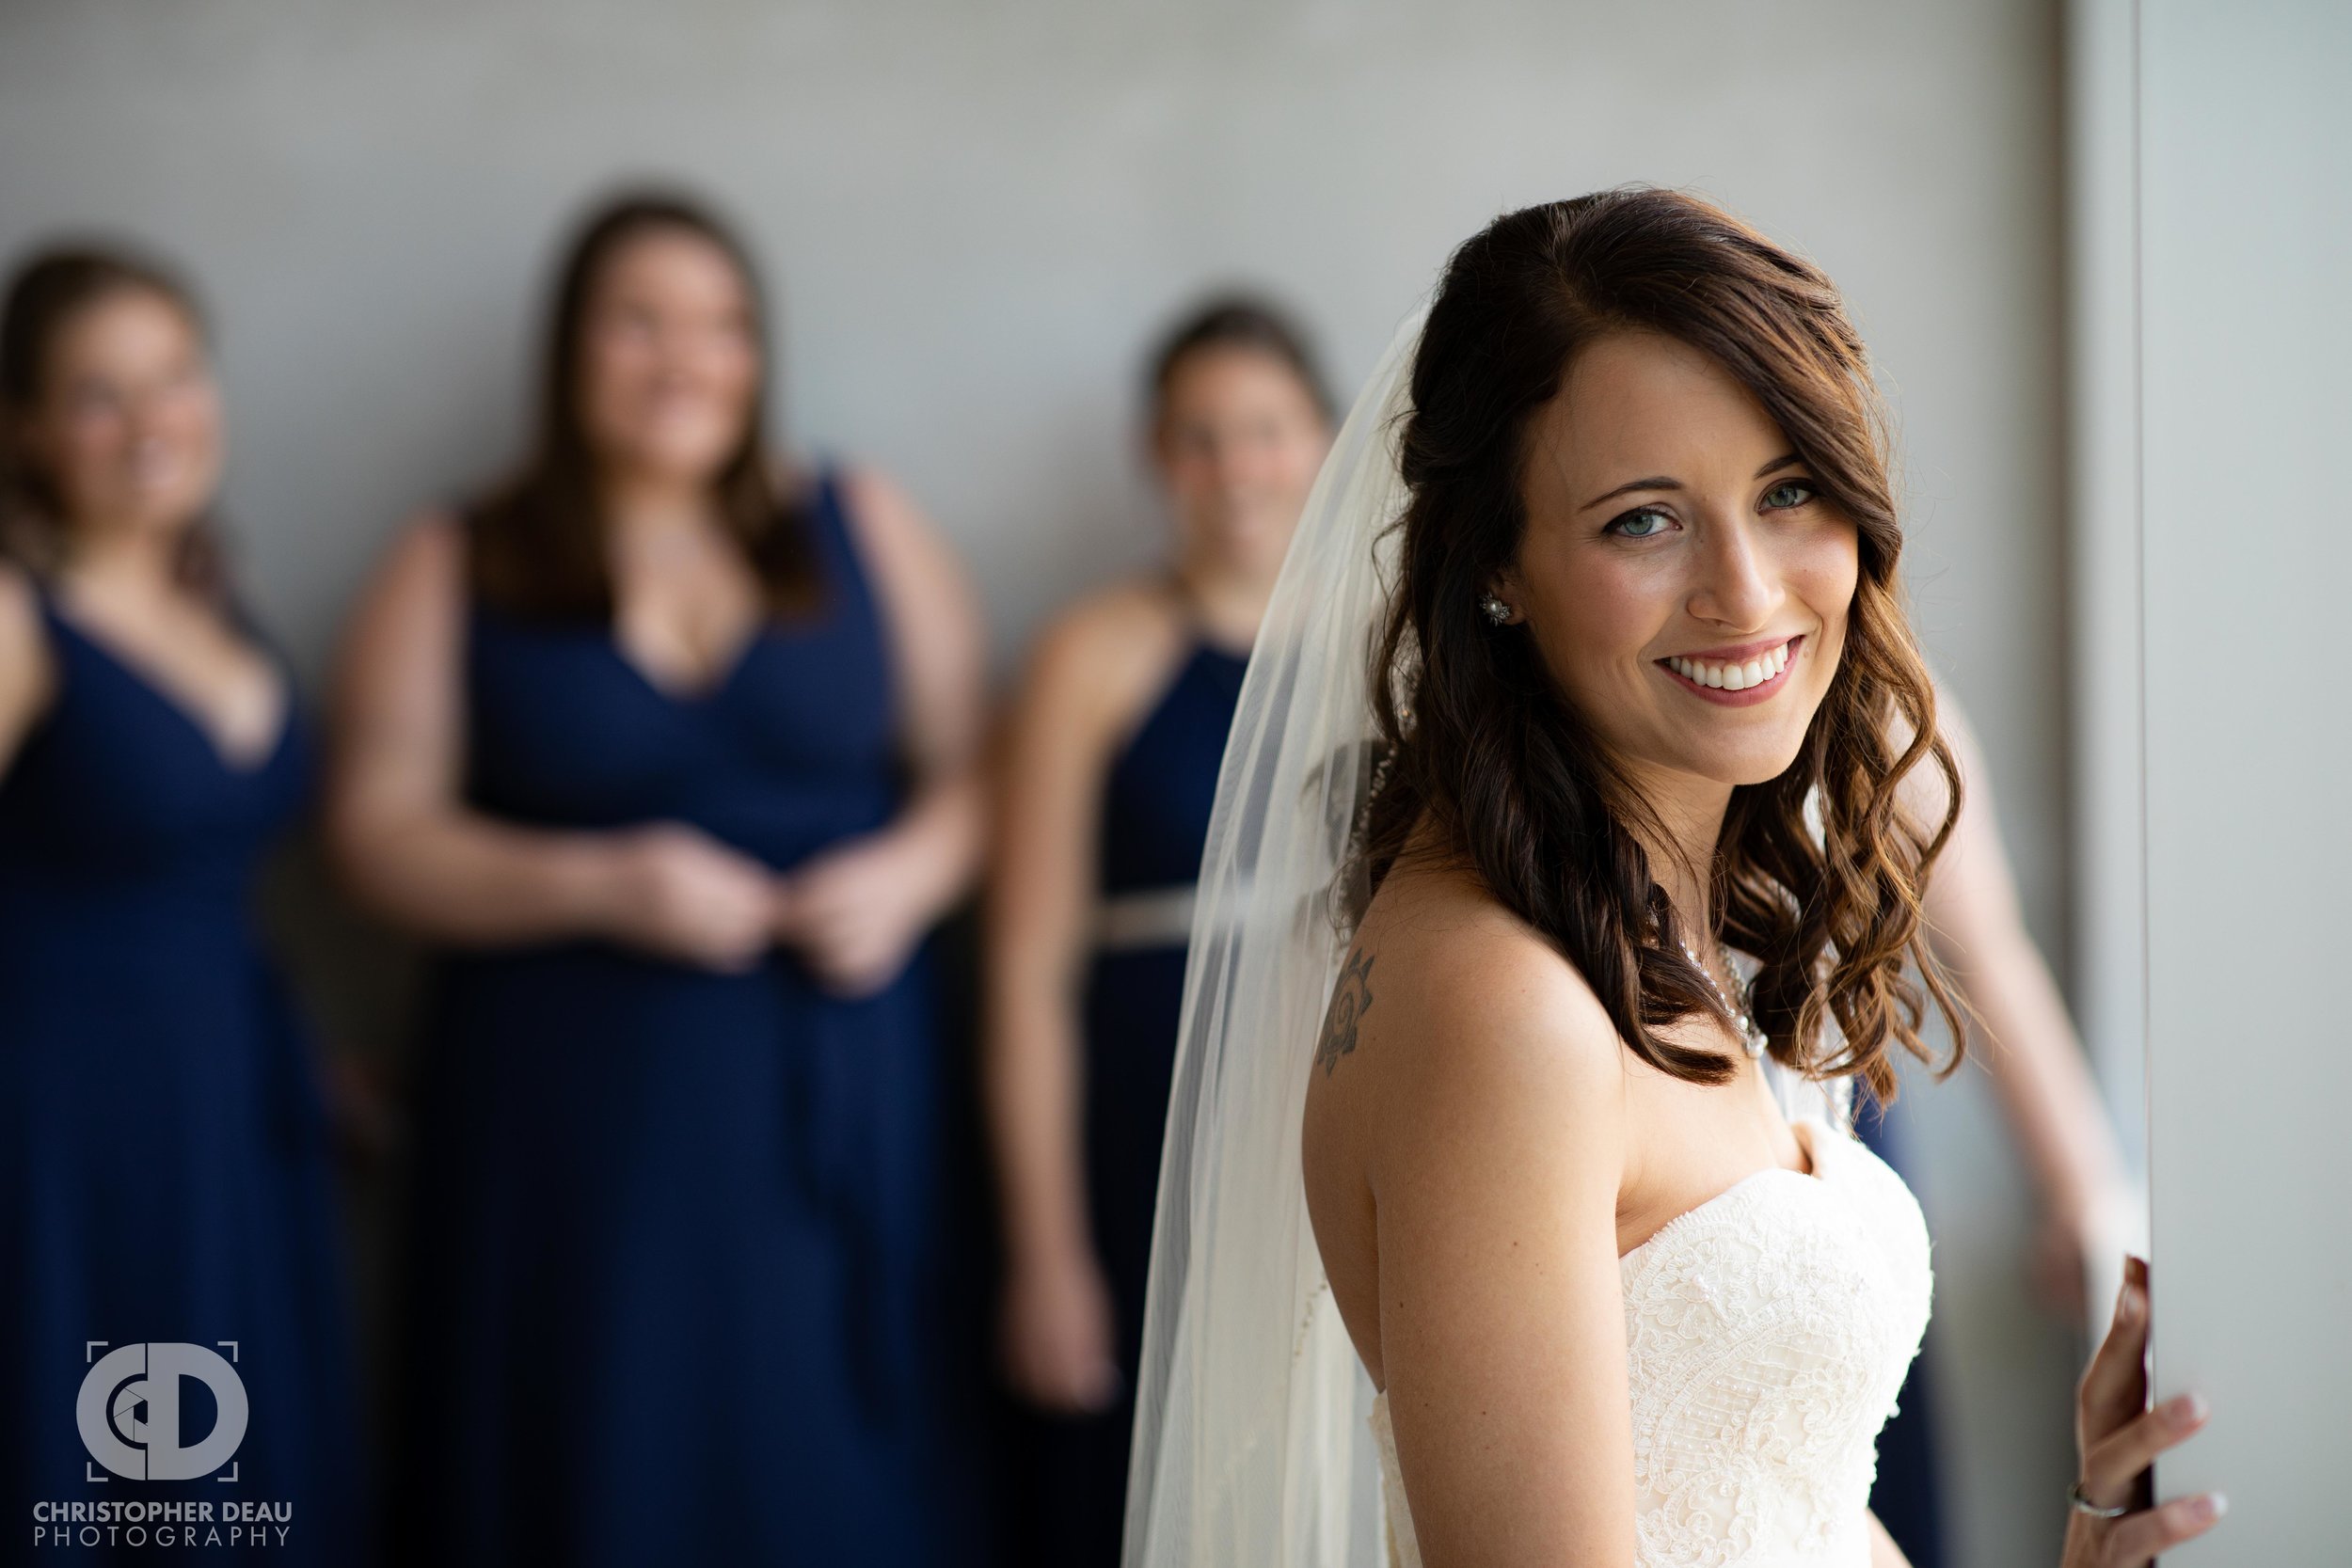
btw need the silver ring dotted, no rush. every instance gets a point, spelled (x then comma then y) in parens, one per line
(2084, 1505)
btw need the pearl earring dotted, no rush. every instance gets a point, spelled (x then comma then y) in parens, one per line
(1497, 612)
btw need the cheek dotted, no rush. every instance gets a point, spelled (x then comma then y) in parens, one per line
(1269, 470)
(1190, 476)
(86, 456)
(195, 418)
(1829, 576)
(1598, 619)
(728, 369)
(611, 371)
(1302, 462)
(90, 439)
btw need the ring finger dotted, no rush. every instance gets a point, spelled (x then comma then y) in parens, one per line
(2116, 1461)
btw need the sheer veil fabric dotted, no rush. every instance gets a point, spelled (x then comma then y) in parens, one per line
(1252, 1444)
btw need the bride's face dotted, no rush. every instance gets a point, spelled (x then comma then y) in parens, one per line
(1681, 573)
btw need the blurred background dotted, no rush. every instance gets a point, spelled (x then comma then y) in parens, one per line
(976, 218)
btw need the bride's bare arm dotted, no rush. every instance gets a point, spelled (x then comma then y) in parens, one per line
(1495, 1164)
(1884, 1552)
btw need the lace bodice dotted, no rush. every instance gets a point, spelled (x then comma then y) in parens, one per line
(1766, 1333)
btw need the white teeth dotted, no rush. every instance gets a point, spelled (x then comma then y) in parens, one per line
(1733, 677)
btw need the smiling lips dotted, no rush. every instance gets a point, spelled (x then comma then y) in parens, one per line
(1753, 674)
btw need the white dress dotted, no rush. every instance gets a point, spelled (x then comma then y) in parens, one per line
(1766, 1335)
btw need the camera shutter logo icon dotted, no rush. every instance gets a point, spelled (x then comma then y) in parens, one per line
(130, 1408)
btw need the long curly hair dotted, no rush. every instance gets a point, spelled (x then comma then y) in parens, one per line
(1818, 873)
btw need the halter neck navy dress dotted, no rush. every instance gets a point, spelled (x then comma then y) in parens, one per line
(1154, 824)
(673, 1231)
(165, 1165)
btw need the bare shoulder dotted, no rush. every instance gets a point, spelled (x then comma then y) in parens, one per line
(892, 527)
(27, 670)
(407, 621)
(1925, 794)
(879, 511)
(1453, 957)
(920, 576)
(1453, 1018)
(1106, 655)
(20, 610)
(877, 501)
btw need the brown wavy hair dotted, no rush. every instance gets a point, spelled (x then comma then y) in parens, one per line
(1484, 745)
(536, 544)
(47, 293)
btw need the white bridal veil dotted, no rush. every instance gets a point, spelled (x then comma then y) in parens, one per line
(1251, 1445)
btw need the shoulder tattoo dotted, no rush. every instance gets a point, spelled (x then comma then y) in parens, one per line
(1350, 1000)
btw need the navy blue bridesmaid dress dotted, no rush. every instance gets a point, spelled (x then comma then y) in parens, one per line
(1908, 1494)
(672, 1262)
(166, 1168)
(1155, 823)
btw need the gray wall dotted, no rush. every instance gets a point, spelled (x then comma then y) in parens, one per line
(2246, 227)
(976, 214)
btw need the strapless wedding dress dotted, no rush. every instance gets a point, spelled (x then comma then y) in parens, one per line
(1766, 1335)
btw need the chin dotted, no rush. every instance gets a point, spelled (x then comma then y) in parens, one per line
(158, 510)
(176, 516)
(1251, 538)
(686, 457)
(1750, 761)
(1757, 768)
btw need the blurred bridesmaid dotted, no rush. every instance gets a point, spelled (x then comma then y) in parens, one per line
(2021, 1035)
(164, 1168)
(1109, 770)
(670, 745)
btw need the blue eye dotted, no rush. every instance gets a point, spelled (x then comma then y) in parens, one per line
(1787, 494)
(1643, 522)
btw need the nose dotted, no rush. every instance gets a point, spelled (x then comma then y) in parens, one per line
(1739, 587)
(146, 415)
(1229, 462)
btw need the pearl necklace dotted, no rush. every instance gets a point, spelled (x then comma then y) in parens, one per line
(1752, 1039)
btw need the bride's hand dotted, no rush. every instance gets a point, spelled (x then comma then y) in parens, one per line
(2119, 1437)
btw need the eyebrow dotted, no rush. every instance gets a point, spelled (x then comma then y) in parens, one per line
(1660, 482)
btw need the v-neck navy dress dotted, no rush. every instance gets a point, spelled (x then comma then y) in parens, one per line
(674, 1230)
(164, 1165)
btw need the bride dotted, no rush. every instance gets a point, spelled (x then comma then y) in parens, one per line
(1584, 785)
